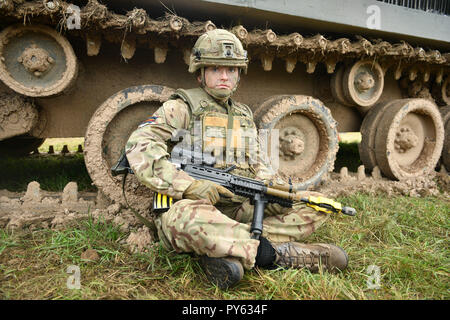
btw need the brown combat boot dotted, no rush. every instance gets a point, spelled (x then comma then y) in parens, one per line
(311, 256)
(223, 272)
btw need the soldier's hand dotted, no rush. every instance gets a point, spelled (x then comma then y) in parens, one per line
(204, 189)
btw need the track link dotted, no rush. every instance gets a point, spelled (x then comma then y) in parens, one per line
(137, 29)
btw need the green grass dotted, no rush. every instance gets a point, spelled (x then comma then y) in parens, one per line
(348, 154)
(406, 237)
(53, 172)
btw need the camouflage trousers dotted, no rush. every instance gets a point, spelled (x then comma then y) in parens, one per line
(224, 229)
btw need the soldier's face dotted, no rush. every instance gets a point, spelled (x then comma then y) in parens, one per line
(221, 77)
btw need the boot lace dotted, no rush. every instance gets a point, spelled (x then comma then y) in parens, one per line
(292, 256)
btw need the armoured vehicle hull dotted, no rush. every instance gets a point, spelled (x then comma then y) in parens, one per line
(316, 69)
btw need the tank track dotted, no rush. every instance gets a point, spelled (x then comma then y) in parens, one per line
(137, 29)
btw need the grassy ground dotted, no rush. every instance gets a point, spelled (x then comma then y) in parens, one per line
(406, 238)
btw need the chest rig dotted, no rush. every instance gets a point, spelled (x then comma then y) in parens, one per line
(227, 130)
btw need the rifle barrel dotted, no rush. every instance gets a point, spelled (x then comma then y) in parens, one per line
(282, 194)
(282, 187)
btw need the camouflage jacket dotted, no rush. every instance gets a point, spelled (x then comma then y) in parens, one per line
(222, 127)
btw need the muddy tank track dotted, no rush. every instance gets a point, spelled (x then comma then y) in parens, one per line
(137, 29)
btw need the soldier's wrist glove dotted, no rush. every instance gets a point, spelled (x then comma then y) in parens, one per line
(204, 189)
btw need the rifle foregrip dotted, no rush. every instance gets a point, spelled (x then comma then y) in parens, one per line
(258, 217)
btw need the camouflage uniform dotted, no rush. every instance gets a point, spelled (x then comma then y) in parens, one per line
(197, 226)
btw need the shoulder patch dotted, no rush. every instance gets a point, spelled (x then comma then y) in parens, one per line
(150, 120)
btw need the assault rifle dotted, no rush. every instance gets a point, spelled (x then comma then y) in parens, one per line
(200, 166)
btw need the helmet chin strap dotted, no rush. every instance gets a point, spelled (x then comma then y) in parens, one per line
(219, 94)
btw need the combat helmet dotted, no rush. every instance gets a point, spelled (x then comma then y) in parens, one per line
(218, 47)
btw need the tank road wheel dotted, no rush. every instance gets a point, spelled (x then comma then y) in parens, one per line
(308, 140)
(368, 130)
(363, 83)
(36, 60)
(409, 138)
(445, 91)
(337, 89)
(445, 113)
(107, 133)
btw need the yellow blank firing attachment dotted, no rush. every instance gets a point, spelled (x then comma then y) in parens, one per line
(327, 205)
(161, 202)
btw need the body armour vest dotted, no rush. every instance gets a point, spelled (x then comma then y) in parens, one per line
(226, 131)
